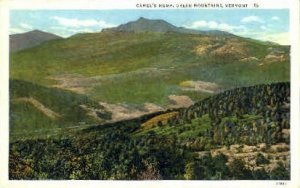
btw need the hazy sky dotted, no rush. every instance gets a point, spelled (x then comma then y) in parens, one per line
(271, 25)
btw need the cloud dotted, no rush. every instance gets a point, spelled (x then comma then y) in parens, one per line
(26, 26)
(15, 30)
(280, 38)
(73, 22)
(21, 28)
(277, 37)
(263, 27)
(66, 32)
(250, 19)
(69, 26)
(275, 18)
(202, 24)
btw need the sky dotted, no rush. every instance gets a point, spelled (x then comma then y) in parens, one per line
(262, 24)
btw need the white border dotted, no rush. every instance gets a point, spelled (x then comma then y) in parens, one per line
(4, 98)
(295, 91)
(131, 4)
(5, 5)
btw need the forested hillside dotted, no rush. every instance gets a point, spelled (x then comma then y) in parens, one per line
(238, 134)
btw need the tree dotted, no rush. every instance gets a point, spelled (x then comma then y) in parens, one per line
(193, 171)
(220, 166)
(150, 172)
(260, 174)
(239, 171)
(280, 173)
(260, 160)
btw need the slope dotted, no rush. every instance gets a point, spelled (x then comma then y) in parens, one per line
(210, 140)
(119, 67)
(29, 39)
(38, 111)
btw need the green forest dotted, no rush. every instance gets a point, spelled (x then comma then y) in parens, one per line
(172, 145)
(148, 100)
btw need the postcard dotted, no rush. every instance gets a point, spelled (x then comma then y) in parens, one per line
(178, 93)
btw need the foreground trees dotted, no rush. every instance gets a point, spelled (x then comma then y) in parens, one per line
(124, 150)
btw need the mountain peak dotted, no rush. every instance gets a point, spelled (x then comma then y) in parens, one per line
(36, 30)
(142, 18)
(29, 39)
(143, 25)
(157, 25)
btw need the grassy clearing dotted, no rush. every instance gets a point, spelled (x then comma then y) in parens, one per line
(172, 55)
(183, 131)
(160, 119)
(156, 87)
(188, 83)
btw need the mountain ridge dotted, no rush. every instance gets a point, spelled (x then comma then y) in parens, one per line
(29, 39)
(158, 25)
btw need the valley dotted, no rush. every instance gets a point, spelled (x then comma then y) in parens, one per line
(149, 100)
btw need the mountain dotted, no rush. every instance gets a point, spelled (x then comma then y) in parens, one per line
(29, 39)
(133, 73)
(149, 100)
(149, 25)
(233, 135)
(38, 108)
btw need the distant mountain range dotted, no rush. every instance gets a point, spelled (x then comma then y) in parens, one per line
(147, 61)
(148, 25)
(29, 39)
(33, 38)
